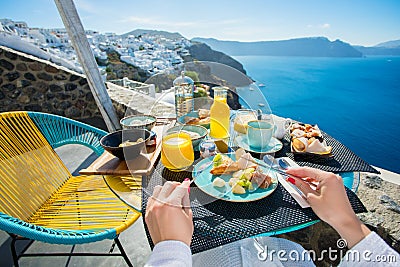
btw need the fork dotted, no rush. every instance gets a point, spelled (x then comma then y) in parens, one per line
(279, 171)
(200, 170)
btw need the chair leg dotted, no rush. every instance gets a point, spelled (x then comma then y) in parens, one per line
(70, 255)
(14, 251)
(16, 257)
(13, 246)
(123, 253)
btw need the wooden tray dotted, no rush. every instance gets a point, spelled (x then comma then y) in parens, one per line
(108, 164)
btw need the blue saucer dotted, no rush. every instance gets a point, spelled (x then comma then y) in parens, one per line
(273, 146)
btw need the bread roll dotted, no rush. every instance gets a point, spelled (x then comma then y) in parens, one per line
(300, 144)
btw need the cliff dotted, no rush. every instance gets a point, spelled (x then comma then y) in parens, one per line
(308, 47)
(168, 35)
(117, 69)
(379, 51)
(203, 52)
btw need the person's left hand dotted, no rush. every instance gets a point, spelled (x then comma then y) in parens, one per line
(168, 213)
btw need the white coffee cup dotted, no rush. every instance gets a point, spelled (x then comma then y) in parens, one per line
(282, 126)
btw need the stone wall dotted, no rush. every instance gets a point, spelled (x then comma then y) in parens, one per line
(29, 83)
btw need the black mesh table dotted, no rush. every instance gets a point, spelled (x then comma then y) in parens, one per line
(218, 222)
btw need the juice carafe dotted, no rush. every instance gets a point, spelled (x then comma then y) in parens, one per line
(219, 114)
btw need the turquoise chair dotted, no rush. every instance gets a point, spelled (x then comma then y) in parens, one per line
(41, 200)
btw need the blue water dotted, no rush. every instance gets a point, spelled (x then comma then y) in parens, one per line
(355, 100)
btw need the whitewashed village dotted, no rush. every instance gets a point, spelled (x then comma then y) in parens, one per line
(151, 52)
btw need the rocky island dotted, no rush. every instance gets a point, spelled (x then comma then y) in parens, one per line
(307, 47)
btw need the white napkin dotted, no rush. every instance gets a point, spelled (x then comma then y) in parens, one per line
(289, 187)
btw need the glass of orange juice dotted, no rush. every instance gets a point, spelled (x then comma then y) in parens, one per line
(177, 151)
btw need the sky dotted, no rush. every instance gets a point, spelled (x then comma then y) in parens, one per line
(358, 22)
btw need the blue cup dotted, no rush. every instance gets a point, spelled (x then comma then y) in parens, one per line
(259, 133)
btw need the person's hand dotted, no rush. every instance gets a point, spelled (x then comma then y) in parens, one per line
(329, 201)
(168, 213)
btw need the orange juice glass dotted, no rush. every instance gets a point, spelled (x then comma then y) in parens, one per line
(177, 151)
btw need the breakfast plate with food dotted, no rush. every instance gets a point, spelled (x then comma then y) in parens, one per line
(235, 177)
(199, 117)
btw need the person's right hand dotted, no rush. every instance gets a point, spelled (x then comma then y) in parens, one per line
(168, 213)
(329, 201)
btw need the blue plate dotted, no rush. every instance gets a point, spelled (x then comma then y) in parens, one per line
(273, 146)
(204, 181)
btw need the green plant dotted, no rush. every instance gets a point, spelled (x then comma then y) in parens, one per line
(193, 75)
(200, 93)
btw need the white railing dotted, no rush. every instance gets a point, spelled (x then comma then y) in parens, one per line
(147, 89)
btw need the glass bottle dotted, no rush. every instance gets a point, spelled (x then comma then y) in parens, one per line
(184, 90)
(219, 114)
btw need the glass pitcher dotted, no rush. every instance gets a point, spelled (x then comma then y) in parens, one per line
(184, 92)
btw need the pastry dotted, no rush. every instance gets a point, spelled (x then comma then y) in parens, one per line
(191, 120)
(223, 164)
(203, 113)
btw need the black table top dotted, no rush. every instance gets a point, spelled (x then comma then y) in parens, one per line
(219, 222)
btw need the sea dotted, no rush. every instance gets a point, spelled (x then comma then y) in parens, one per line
(355, 100)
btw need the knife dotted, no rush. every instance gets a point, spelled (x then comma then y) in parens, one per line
(200, 170)
(293, 190)
(271, 167)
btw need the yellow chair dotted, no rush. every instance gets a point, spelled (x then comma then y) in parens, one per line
(41, 200)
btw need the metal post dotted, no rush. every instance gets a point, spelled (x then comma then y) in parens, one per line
(152, 90)
(76, 33)
(125, 81)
